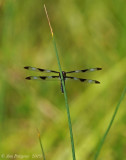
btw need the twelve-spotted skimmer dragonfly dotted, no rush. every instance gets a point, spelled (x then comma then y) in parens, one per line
(65, 77)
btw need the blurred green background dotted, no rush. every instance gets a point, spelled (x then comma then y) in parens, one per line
(88, 34)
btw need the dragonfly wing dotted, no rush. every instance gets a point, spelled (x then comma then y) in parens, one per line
(39, 69)
(85, 70)
(82, 79)
(42, 77)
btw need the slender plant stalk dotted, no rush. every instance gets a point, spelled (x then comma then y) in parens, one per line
(64, 89)
(43, 154)
(66, 101)
(110, 124)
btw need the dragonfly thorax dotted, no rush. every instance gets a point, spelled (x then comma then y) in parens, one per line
(64, 74)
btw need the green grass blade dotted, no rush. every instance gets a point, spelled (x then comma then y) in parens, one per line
(43, 154)
(64, 89)
(66, 101)
(110, 124)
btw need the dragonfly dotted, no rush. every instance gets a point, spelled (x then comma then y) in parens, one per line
(65, 77)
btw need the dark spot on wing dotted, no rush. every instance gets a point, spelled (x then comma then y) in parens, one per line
(54, 71)
(26, 67)
(55, 76)
(43, 77)
(97, 82)
(82, 80)
(40, 69)
(84, 70)
(28, 78)
(99, 68)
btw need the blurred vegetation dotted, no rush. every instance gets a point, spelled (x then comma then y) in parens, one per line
(88, 34)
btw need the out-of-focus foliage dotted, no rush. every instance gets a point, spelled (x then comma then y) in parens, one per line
(88, 34)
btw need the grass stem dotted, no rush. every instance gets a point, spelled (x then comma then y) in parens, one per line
(66, 102)
(110, 124)
(43, 154)
(64, 89)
